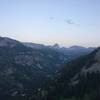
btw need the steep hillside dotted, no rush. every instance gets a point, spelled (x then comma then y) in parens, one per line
(79, 80)
(23, 69)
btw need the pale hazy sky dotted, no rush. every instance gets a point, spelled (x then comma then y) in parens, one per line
(67, 22)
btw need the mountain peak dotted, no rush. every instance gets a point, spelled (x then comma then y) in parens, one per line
(5, 41)
(56, 45)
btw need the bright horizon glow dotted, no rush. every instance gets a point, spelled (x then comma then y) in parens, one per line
(66, 22)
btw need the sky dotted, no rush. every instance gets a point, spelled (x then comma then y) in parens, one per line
(67, 22)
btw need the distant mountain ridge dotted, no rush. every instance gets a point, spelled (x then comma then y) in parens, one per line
(39, 46)
(34, 45)
(74, 51)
